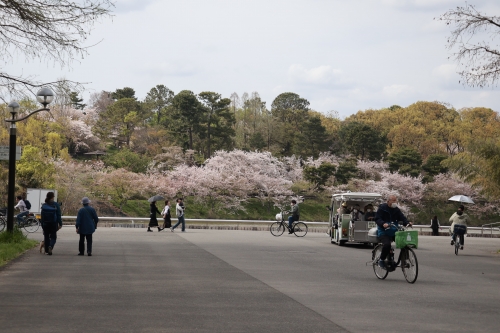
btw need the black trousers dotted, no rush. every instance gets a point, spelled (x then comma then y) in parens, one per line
(435, 231)
(81, 244)
(386, 240)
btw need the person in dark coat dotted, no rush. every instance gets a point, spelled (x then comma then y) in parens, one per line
(388, 213)
(86, 223)
(153, 222)
(49, 227)
(167, 218)
(435, 226)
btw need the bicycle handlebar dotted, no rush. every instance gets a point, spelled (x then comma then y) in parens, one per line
(400, 227)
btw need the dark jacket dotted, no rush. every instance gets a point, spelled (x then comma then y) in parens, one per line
(153, 222)
(58, 211)
(385, 214)
(86, 220)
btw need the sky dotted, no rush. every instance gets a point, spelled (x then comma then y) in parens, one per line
(342, 55)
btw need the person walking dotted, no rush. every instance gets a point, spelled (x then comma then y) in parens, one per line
(86, 223)
(165, 213)
(435, 226)
(153, 222)
(51, 222)
(179, 211)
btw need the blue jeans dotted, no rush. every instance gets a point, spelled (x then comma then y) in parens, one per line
(180, 220)
(20, 216)
(291, 219)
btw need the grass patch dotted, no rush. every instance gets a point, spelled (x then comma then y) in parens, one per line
(13, 244)
(310, 210)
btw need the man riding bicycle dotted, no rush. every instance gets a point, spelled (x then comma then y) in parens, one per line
(459, 225)
(294, 217)
(388, 213)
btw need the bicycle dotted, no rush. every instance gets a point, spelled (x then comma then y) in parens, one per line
(459, 231)
(407, 259)
(3, 223)
(278, 228)
(30, 223)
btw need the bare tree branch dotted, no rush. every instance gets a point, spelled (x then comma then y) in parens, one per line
(480, 61)
(49, 30)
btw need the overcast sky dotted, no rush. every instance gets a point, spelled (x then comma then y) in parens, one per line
(343, 55)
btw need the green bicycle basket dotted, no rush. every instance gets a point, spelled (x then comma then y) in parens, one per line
(406, 238)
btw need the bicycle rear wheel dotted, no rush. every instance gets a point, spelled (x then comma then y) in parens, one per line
(409, 264)
(300, 229)
(2, 224)
(457, 244)
(379, 271)
(31, 224)
(277, 229)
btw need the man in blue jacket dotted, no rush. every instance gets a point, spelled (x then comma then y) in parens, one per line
(388, 213)
(86, 223)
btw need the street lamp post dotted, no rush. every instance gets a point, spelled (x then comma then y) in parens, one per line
(45, 97)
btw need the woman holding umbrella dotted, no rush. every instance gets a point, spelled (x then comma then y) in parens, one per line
(153, 222)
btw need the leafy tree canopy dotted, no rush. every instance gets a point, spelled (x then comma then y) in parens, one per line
(406, 161)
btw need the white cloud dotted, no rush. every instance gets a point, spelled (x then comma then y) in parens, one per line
(323, 75)
(398, 90)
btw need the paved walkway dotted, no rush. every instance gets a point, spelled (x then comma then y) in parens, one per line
(243, 281)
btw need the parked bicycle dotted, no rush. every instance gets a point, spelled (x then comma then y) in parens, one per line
(3, 223)
(278, 228)
(407, 260)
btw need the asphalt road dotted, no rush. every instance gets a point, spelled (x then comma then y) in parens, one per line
(245, 281)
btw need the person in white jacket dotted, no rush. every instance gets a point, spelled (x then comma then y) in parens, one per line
(460, 218)
(179, 211)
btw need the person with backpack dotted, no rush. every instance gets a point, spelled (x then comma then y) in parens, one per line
(51, 222)
(86, 223)
(21, 205)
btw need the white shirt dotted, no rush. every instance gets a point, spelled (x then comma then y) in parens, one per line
(21, 205)
(165, 210)
(178, 210)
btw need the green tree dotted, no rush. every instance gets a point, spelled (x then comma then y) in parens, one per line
(128, 160)
(187, 114)
(120, 120)
(346, 171)
(158, 98)
(257, 141)
(406, 161)
(126, 92)
(433, 165)
(362, 141)
(34, 170)
(319, 175)
(76, 101)
(218, 117)
(290, 107)
(313, 139)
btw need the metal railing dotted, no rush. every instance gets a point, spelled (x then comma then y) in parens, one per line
(490, 227)
(421, 228)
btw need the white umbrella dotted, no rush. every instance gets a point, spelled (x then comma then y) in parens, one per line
(461, 198)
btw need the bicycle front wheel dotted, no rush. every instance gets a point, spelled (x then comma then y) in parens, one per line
(457, 245)
(277, 229)
(409, 264)
(2, 224)
(379, 271)
(300, 229)
(31, 224)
